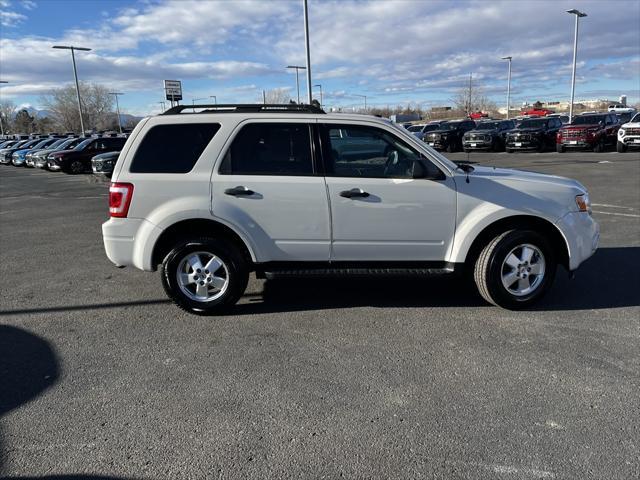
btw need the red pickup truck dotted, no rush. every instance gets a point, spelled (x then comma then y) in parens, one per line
(538, 112)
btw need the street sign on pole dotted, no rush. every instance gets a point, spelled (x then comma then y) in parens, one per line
(173, 90)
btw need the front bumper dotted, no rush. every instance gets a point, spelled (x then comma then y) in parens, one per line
(630, 141)
(516, 144)
(477, 144)
(438, 144)
(582, 234)
(577, 143)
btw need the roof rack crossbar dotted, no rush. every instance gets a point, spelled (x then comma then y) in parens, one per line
(245, 108)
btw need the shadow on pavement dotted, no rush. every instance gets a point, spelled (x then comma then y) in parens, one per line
(71, 308)
(607, 280)
(28, 367)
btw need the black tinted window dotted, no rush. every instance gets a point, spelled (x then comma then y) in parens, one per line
(171, 148)
(270, 149)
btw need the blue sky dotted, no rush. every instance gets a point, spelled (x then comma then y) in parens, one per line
(392, 51)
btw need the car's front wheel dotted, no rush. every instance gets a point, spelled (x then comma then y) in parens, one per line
(621, 147)
(204, 276)
(76, 167)
(559, 148)
(515, 269)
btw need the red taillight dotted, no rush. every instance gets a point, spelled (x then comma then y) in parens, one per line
(119, 199)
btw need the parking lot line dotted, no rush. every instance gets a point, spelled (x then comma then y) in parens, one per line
(618, 214)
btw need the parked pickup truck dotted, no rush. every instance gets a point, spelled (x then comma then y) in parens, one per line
(592, 131)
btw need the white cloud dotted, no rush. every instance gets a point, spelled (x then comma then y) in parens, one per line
(11, 19)
(28, 4)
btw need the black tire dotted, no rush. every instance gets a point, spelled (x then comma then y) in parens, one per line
(237, 274)
(489, 266)
(599, 147)
(621, 147)
(450, 147)
(508, 150)
(75, 167)
(559, 148)
(466, 150)
(542, 146)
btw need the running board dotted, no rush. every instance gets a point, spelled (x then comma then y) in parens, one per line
(353, 272)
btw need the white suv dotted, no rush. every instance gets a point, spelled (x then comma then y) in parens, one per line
(629, 134)
(212, 193)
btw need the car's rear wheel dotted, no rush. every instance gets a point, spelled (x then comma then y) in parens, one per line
(204, 276)
(621, 147)
(515, 269)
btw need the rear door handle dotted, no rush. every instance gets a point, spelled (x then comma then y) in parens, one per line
(239, 190)
(354, 193)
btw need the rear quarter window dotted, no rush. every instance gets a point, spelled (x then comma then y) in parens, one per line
(172, 148)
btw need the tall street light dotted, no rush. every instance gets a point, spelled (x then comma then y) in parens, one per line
(75, 75)
(365, 100)
(297, 68)
(306, 46)
(215, 99)
(1, 126)
(320, 87)
(578, 14)
(162, 105)
(115, 94)
(508, 86)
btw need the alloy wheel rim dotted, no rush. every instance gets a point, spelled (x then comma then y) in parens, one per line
(202, 276)
(523, 270)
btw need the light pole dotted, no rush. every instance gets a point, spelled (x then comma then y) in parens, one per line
(365, 100)
(194, 100)
(215, 99)
(508, 86)
(115, 94)
(2, 126)
(75, 75)
(578, 14)
(297, 68)
(320, 87)
(162, 105)
(306, 46)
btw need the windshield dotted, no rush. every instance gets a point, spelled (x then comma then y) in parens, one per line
(56, 143)
(588, 119)
(83, 144)
(69, 143)
(533, 124)
(636, 118)
(449, 126)
(415, 128)
(488, 126)
(41, 144)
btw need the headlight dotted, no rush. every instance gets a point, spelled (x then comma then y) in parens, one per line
(621, 132)
(583, 203)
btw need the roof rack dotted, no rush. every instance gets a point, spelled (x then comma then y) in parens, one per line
(246, 108)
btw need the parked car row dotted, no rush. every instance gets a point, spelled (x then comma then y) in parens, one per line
(68, 154)
(588, 131)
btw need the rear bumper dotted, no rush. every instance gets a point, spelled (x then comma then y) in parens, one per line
(582, 234)
(128, 242)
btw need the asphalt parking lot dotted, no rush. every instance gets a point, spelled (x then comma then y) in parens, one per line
(100, 374)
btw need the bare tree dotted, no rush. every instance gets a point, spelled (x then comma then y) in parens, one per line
(277, 96)
(97, 105)
(23, 122)
(7, 114)
(471, 98)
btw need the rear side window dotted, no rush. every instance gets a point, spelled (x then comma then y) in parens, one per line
(270, 149)
(172, 148)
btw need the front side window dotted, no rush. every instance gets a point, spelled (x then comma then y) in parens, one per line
(270, 149)
(172, 148)
(369, 152)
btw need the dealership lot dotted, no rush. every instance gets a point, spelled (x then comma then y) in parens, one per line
(366, 378)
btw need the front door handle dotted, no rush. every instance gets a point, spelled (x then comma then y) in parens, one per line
(239, 190)
(354, 193)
